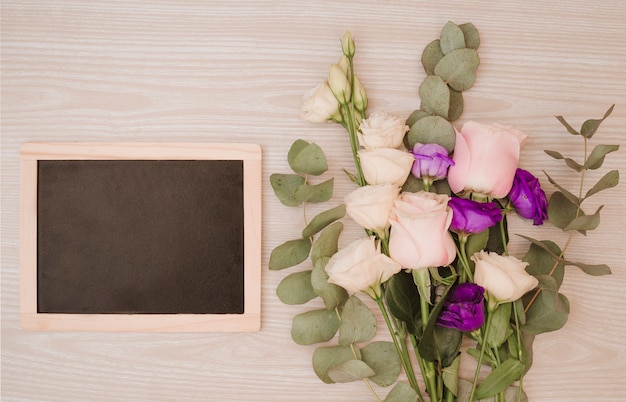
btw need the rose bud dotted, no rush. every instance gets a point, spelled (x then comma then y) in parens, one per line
(464, 308)
(431, 162)
(470, 216)
(528, 198)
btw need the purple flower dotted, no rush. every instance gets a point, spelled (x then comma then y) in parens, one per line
(431, 161)
(464, 308)
(473, 217)
(528, 198)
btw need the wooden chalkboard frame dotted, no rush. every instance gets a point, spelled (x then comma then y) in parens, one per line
(249, 320)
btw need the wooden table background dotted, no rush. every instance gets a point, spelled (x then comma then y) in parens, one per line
(217, 71)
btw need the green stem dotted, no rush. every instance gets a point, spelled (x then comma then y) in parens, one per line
(503, 234)
(464, 260)
(428, 368)
(480, 357)
(519, 350)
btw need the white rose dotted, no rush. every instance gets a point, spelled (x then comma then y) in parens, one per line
(361, 267)
(370, 206)
(319, 104)
(382, 130)
(504, 277)
(386, 165)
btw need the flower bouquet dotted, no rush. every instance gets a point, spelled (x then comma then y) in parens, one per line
(433, 202)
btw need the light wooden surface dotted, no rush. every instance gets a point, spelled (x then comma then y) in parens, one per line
(235, 71)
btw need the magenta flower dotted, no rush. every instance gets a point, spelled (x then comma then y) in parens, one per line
(464, 308)
(528, 198)
(431, 161)
(473, 217)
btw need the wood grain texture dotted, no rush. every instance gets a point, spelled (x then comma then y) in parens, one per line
(235, 71)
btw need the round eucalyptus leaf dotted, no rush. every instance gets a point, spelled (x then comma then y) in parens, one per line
(435, 96)
(324, 358)
(324, 219)
(542, 262)
(432, 130)
(562, 211)
(458, 68)
(285, 187)
(296, 288)
(402, 392)
(290, 253)
(327, 243)
(456, 105)
(358, 323)
(415, 116)
(549, 311)
(383, 359)
(452, 37)
(431, 55)
(333, 296)
(314, 326)
(315, 193)
(351, 370)
(472, 38)
(305, 158)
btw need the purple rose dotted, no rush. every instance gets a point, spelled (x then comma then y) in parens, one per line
(464, 308)
(473, 217)
(528, 198)
(431, 161)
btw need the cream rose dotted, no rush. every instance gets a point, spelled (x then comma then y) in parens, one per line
(485, 159)
(319, 104)
(419, 236)
(361, 267)
(386, 165)
(370, 206)
(504, 277)
(382, 130)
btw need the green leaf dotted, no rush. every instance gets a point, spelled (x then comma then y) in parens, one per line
(403, 301)
(305, 158)
(314, 326)
(296, 288)
(415, 116)
(500, 378)
(585, 222)
(327, 243)
(358, 323)
(593, 270)
(590, 127)
(431, 55)
(568, 161)
(334, 296)
(324, 219)
(472, 38)
(452, 37)
(596, 158)
(349, 371)
(500, 329)
(477, 242)
(458, 68)
(382, 358)
(543, 258)
(439, 343)
(562, 211)
(315, 193)
(550, 309)
(569, 128)
(571, 197)
(609, 180)
(285, 186)
(290, 253)
(432, 129)
(435, 96)
(401, 392)
(495, 242)
(450, 375)
(326, 357)
(456, 105)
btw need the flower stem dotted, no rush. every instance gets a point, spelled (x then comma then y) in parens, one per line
(482, 353)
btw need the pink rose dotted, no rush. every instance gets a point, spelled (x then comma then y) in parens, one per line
(485, 159)
(419, 236)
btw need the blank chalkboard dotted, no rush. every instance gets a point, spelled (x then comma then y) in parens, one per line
(141, 237)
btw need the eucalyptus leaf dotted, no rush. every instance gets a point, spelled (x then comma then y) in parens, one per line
(456, 105)
(431, 56)
(472, 38)
(596, 158)
(415, 116)
(403, 301)
(324, 219)
(543, 259)
(314, 326)
(589, 269)
(296, 288)
(285, 187)
(432, 130)
(358, 323)
(333, 296)
(590, 127)
(458, 68)
(401, 392)
(351, 370)
(500, 378)
(585, 222)
(381, 356)
(450, 375)
(568, 161)
(609, 180)
(571, 197)
(315, 193)
(562, 211)
(569, 128)
(326, 357)
(548, 311)
(305, 158)
(290, 253)
(435, 96)
(327, 243)
(451, 38)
